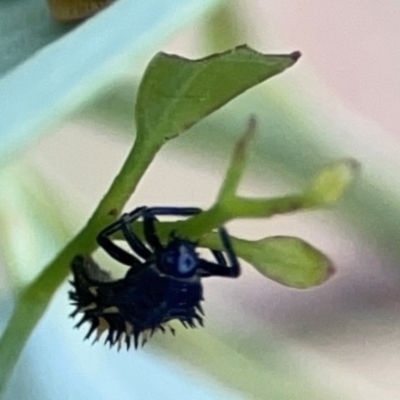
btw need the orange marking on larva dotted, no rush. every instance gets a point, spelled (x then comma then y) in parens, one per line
(91, 306)
(93, 290)
(103, 326)
(111, 310)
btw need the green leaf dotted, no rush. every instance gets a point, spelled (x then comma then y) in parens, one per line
(57, 79)
(287, 260)
(175, 92)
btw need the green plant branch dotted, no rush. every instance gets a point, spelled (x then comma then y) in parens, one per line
(237, 164)
(34, 299)
(174, 94)
(223, 210)
(325, 189)
(287, 260)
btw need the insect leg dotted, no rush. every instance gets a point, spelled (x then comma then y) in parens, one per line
(150, 232)
(118, 253)
(134, 242)
(173, 211)
(150, 217)
(221, 268)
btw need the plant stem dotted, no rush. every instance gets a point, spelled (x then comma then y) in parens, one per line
(35, 298)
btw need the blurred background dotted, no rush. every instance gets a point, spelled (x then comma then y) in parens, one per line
(262, 340)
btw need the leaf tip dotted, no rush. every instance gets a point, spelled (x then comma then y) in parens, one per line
(251, 128)
(330, 270)
(245, 139)
(295, 55)
(353, 165)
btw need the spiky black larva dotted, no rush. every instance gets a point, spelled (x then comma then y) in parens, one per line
(87, 297)
(163, 282)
